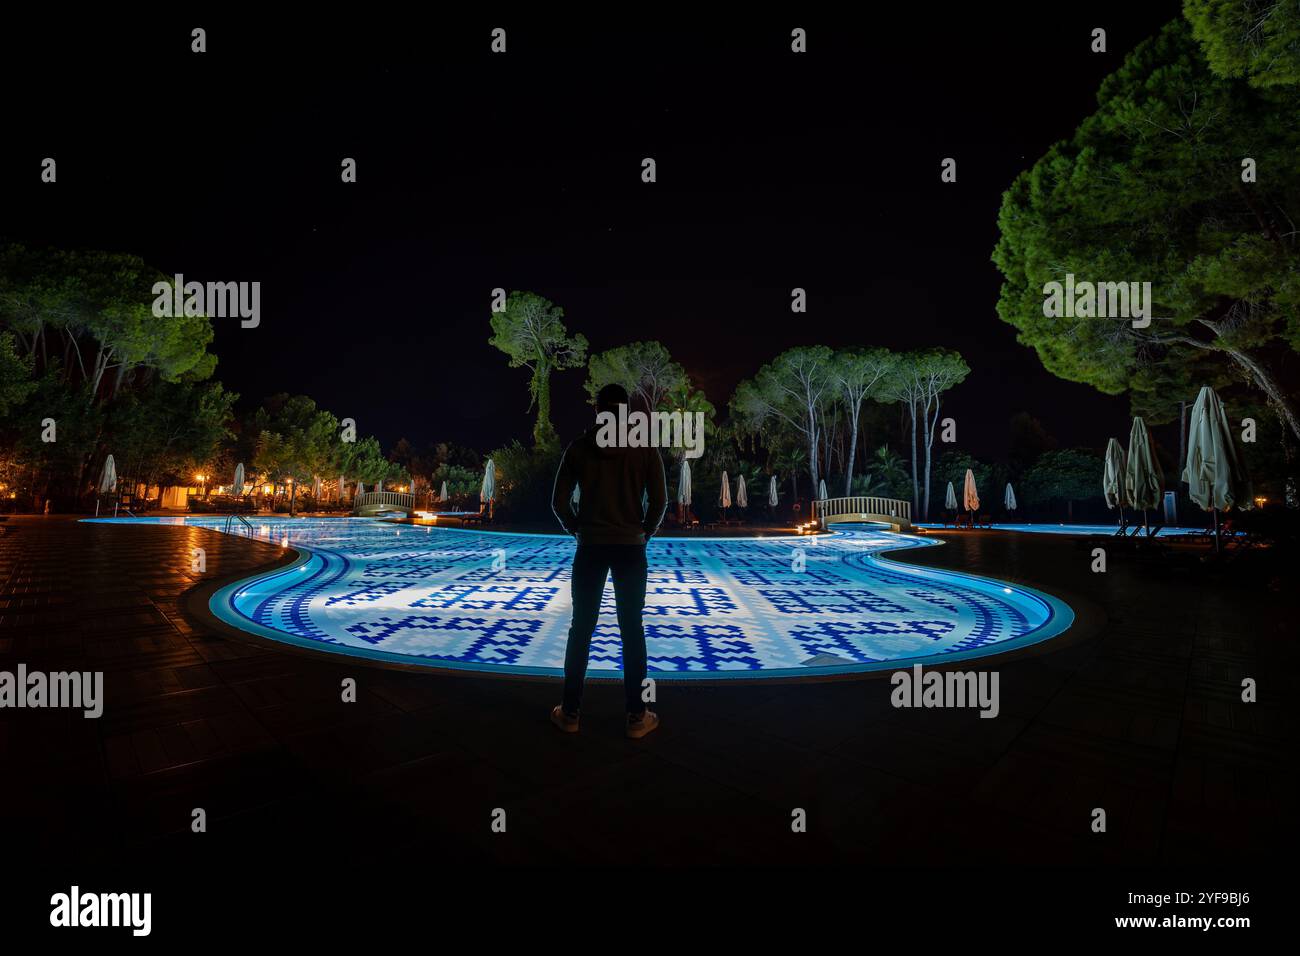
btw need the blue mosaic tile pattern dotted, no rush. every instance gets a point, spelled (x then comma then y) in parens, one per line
(491, 601)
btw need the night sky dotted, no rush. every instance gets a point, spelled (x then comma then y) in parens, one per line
(523, 171)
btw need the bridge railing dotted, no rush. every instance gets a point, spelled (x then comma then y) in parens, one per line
(824, 508)
(390, 499)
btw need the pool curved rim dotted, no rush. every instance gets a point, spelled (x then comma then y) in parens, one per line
(1060, 617)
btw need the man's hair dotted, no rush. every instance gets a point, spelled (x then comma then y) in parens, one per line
(610, 397)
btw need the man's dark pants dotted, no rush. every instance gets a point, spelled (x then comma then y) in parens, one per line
(627, 564)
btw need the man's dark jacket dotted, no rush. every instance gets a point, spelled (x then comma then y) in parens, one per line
(613, 483)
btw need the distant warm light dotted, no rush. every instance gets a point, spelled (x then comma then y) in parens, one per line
(1260, 502)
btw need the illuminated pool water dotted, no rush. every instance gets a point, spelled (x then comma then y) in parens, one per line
(721, 607)
(1084, 529)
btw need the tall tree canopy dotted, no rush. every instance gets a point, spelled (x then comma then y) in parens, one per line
(918, 381)
(645, 369)
(654, 382)
(296, 442)
(162, 433)
(1255, 39)
(860, 374)
(786, 400)
(1152, 188)
(90, 314)
(364, 460)
(15, 375)
(531, 332)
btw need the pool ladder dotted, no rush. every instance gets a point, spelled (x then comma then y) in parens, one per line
(230, 523)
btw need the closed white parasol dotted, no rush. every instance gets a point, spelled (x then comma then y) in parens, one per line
(488, 493)
(1144, 481)
(1215, 476)
(108, 477)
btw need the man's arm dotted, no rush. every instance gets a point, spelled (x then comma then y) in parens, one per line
(566, 478)
(657, 491)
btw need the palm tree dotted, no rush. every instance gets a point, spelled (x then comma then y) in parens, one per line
(887, 470)
(865, 486)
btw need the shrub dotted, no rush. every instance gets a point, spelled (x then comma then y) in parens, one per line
(525, 478)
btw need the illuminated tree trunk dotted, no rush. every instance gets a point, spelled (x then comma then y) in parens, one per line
(853, 451)
(543, 431)
(916, 487)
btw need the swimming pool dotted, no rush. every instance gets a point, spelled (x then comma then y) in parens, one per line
(722, 607)
(1084, 529)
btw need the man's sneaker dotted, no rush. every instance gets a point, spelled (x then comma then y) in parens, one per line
(566, 722)
(638, 725)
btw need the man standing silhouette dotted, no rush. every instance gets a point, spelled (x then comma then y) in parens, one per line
(613, 523)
